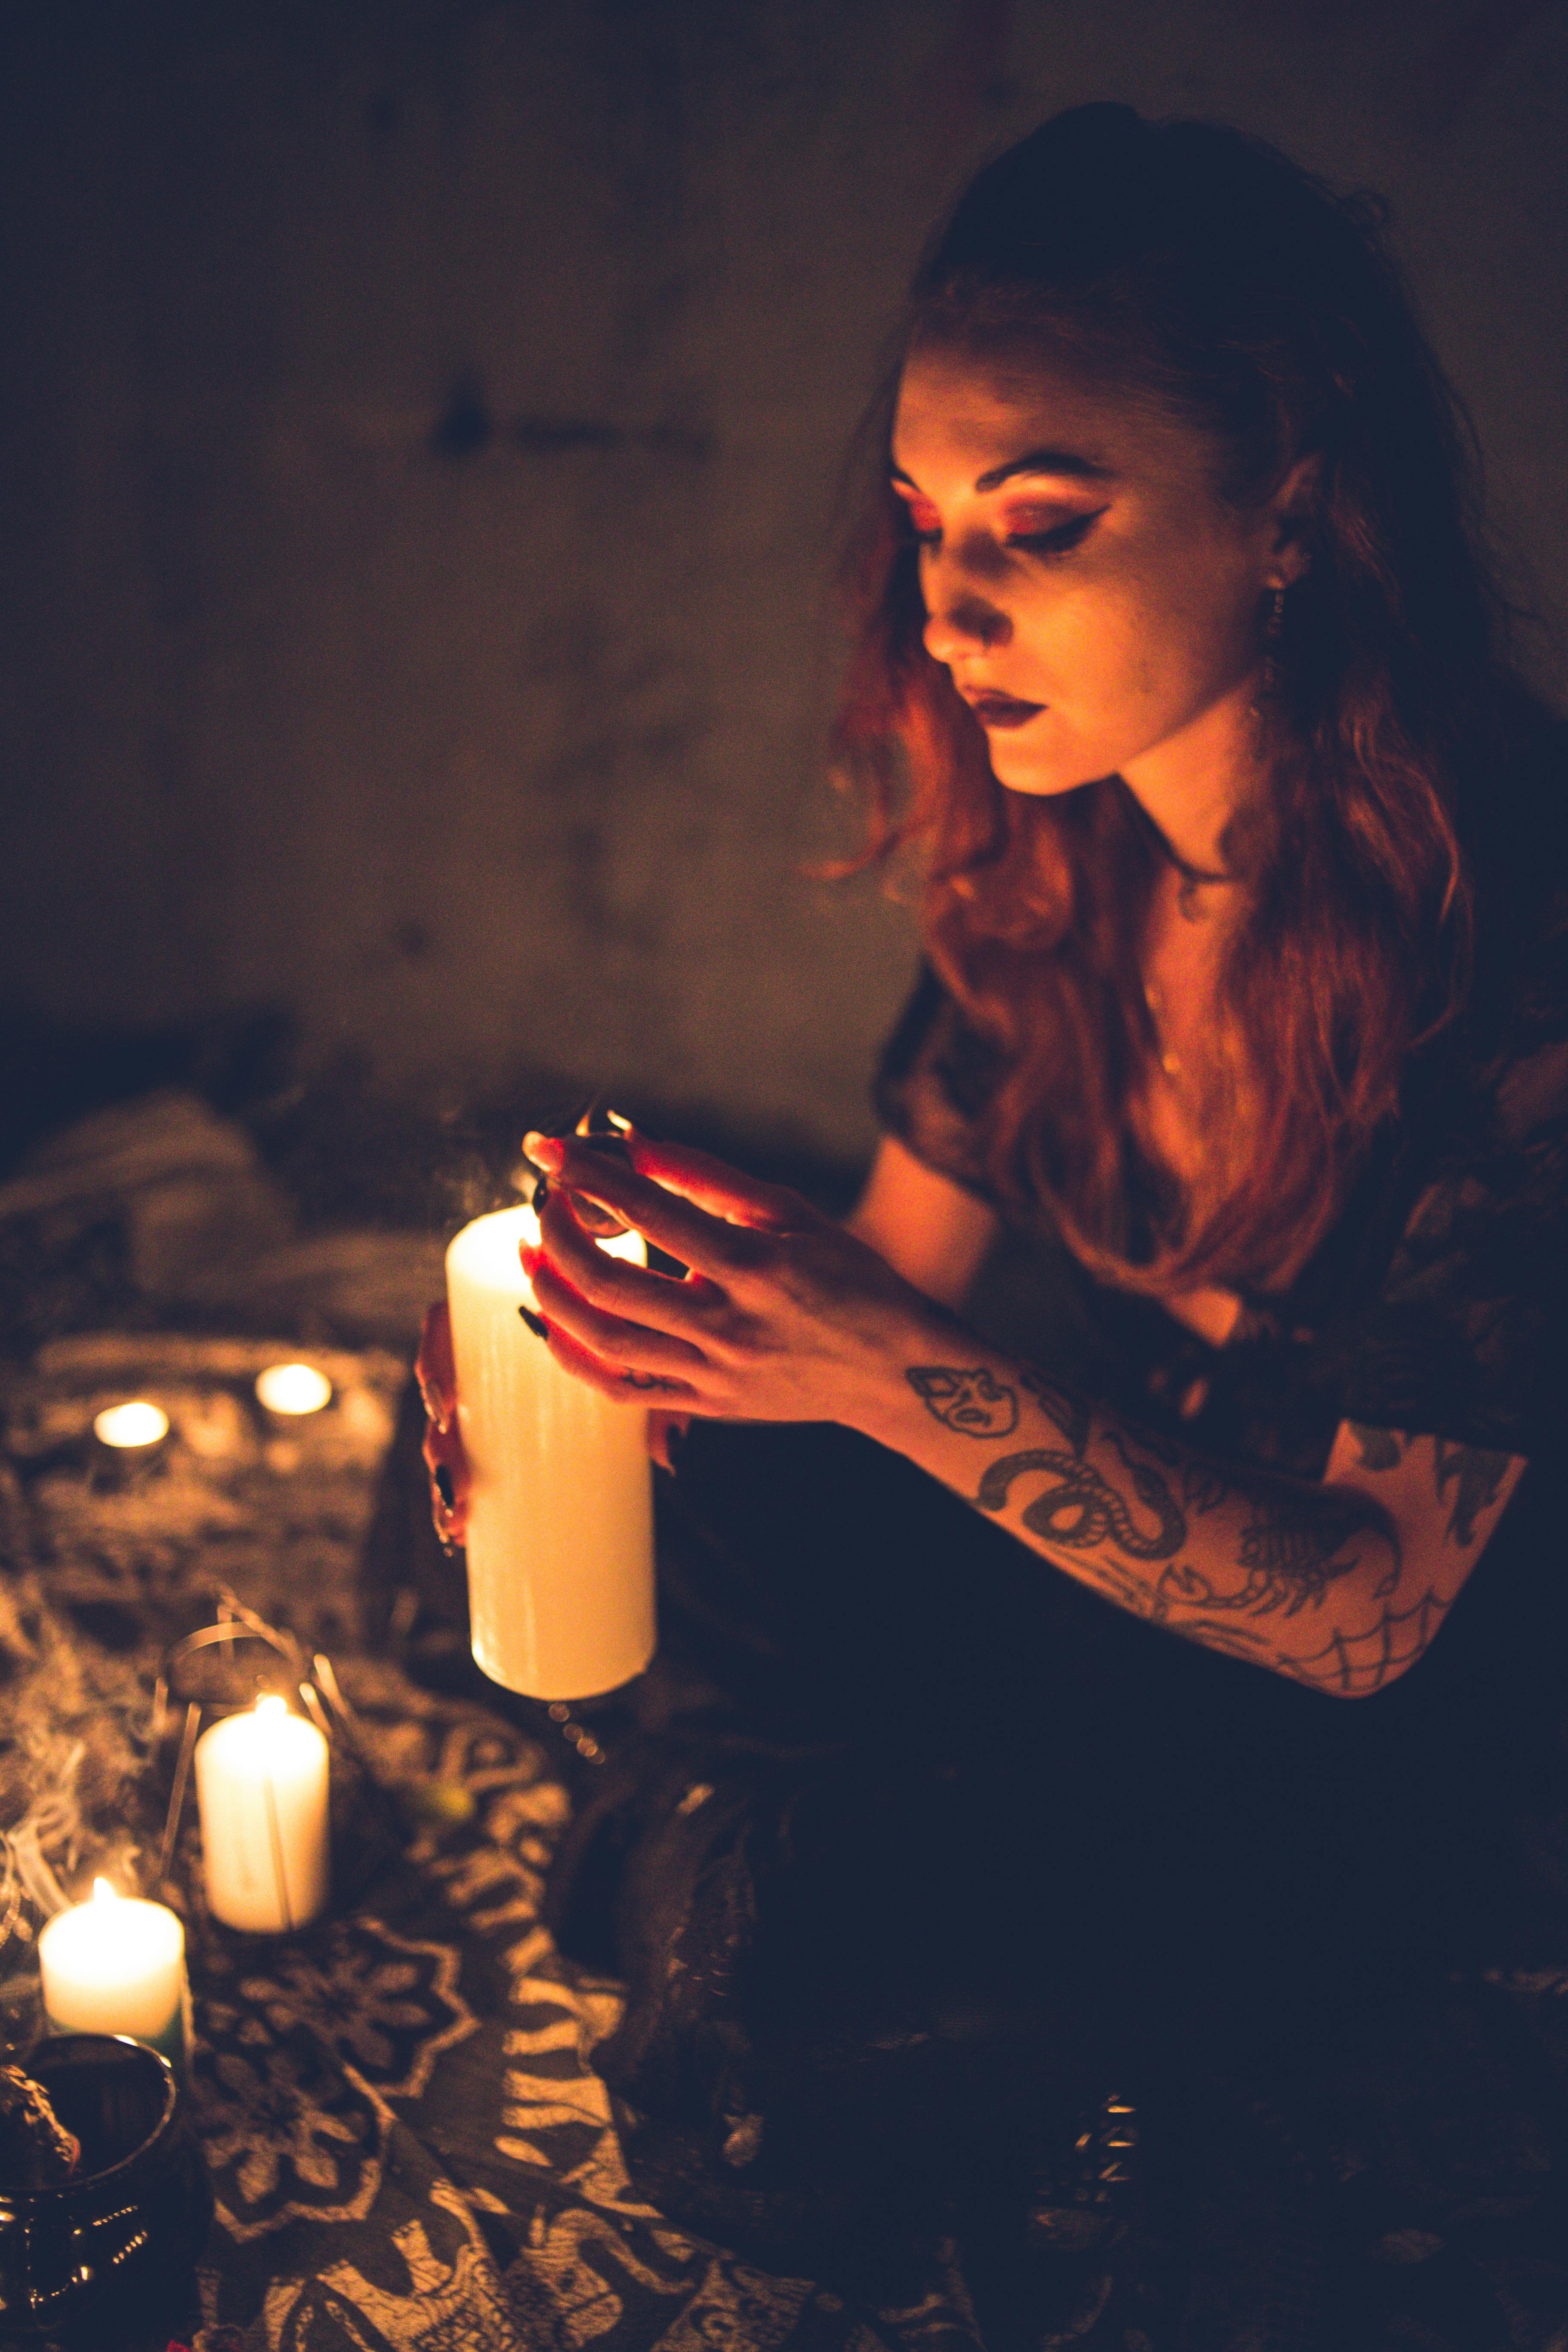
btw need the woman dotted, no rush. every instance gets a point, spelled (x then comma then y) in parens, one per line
(1243, 1015)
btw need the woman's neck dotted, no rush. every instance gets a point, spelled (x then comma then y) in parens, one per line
(1190, 785)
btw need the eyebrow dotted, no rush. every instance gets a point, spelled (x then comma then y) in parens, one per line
(1059, 462)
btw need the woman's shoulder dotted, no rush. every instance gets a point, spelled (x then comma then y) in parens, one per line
(1464, 1332)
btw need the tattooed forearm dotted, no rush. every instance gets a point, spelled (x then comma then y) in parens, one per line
(969, 1398)
(1293, 1546)
(1118, 1584)
(1237, 1558)
(1290, 1545)
(1069, 1412)
(1378, 1449)
(1231, 1641)
(972, 1400)
(1355, 1665)
(1476, 1476)
(1299, 1543)
(1082, 1509)
(1204, 1486)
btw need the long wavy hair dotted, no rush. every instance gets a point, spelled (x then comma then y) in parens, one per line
(1193, 264)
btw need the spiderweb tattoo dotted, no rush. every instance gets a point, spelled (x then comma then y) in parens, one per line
(1356, 1664)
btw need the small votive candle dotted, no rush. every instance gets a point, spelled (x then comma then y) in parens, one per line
(261, 1790)
(130, 1427)
(293, 1389)
(117, 1965)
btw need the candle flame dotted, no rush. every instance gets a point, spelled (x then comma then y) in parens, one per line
(103, 1893)
(136, 1423)
(293, 1388)
(269, 1706)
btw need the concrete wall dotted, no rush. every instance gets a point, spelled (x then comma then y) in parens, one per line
(420, 432)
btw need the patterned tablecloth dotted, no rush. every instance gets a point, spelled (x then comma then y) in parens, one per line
(409, 2148)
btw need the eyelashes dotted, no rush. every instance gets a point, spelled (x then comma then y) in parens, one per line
(1057, 541)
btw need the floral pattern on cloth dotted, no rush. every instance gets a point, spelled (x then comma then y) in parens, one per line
(410, 2148)
(386, 2007)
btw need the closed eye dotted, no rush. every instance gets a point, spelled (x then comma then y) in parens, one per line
(1055, 541)
(1058, 538)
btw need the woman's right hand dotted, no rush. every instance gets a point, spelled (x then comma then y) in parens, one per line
(437, 1374)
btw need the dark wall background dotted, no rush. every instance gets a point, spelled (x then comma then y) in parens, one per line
(420, 430)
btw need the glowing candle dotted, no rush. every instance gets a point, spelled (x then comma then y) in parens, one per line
(560, 1535)
(293, 1389)
(130, 1426)
(116, 1965)
(261, 1789)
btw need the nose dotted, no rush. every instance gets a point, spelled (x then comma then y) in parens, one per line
(961, 622)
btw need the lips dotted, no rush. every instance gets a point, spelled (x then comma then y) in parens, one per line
(1002, 709)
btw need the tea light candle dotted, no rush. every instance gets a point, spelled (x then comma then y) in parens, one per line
(261, 1790)
(559, 1531)
(293, 1389)
(129, 1427)
(116, 1965)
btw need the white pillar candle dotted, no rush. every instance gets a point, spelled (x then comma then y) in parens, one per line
(116, 1965)
(559, 1534)
(261, 1790)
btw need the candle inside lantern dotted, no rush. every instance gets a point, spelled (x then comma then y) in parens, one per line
(116, 1965)
(261, 1790)
(293, 1389)
(559, 1532)
(129, 1426)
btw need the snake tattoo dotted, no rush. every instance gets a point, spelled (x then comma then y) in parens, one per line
(1081, 1509)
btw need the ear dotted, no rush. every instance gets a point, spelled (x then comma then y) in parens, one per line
(1292, 510)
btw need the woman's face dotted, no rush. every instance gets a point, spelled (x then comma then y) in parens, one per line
(1098, 607)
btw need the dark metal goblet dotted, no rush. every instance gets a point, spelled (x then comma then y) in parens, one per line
(92, 2260)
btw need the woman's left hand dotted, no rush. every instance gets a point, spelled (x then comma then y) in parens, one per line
(782, 1315)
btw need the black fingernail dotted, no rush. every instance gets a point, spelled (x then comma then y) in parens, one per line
(444, 1487)
(536, 1323)
(590, 1214)
(608, 1147)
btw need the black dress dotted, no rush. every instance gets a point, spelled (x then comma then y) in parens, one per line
(915, 1839)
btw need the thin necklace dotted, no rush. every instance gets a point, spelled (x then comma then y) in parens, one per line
(1192, 877)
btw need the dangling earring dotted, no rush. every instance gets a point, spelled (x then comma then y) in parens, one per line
(1273, 628)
